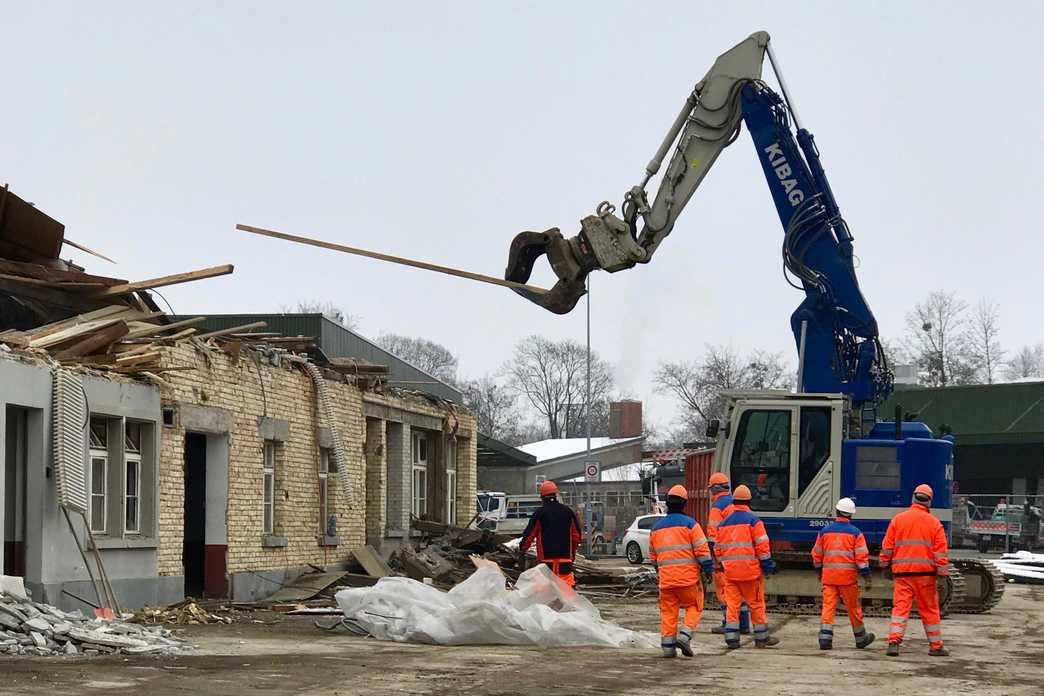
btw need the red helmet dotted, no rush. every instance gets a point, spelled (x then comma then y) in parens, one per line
(678, 491)
(741, 494)
(924, 491)
(717, 479)
(548, 488)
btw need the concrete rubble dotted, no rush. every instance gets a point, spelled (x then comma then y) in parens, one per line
(32, 628)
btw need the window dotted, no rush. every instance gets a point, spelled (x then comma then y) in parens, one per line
(877, 468)
(268, 495)
(451, 481)
(420, 474)
(324, 475)
(647, 522)
(761, 458)
(99, 473)
(132, 479)
(815, 444)
(522, 509)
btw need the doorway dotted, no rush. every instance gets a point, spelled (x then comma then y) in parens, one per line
(193, 556)
(14, 490)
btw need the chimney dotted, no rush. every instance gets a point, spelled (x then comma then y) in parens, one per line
(625, 419)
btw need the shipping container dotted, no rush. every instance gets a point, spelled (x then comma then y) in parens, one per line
(697, 471)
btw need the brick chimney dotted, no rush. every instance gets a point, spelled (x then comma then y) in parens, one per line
(625, 418)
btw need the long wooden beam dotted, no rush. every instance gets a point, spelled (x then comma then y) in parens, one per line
(164, 281)
(387, 257)
(233, 329)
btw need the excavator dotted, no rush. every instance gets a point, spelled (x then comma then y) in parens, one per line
(797, 452)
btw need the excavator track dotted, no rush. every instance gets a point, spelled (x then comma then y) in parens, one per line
(984, 586)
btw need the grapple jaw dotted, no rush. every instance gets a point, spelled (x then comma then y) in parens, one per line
(527, 248)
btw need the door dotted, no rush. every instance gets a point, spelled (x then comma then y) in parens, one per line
(818, 455)
(193, 554)
(14, 502)
(763, 456)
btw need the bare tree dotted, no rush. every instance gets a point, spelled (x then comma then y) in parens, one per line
(327, 309)
(983, 330)
(551, 376)
(1028, 362)
(698, 385)
(494, 405)
(431, 357)
(937, 340)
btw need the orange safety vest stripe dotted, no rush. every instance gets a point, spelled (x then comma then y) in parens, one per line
(915, 543)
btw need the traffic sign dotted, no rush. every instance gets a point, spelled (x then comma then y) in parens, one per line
(592, 471)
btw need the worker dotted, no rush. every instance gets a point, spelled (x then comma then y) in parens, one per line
(679, 549)
(914, 552)
(556, 532)
(841, 557)
(741, 548)
(721, 506)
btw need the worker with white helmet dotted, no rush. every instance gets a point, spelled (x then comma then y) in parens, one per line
(841, 556)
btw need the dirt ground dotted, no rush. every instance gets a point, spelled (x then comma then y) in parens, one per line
(999, 653)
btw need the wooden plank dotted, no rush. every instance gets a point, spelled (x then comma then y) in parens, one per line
(73, 332)
(392, 259)
(164, 281)
(99, 339)
(35, 270)
(137, 359)
(371, 562)
(54, 327)
(160, 328)
(305, 587)
(233, 329)
(92, 252)
(179, 335)
(11, 337)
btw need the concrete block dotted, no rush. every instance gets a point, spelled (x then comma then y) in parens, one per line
(38, 624)
(273, 429)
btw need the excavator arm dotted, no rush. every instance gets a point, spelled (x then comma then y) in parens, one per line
(834, 330)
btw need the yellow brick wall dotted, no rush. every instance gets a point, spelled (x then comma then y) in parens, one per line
(287, 394)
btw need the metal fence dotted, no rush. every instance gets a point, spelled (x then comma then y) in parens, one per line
(998, 522)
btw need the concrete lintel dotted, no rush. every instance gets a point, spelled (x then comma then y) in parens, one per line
(326, 440)
(205, 419)
(399, 415)
(273, 428)
(273, 541)
(126, 543)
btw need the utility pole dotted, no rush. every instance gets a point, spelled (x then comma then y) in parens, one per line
(588, 508)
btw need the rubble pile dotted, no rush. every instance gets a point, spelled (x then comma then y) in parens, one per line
(31, 628)
(185, 613)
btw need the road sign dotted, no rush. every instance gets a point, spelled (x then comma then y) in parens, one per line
(592, 471)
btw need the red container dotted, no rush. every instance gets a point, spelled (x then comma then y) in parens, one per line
(697, 471)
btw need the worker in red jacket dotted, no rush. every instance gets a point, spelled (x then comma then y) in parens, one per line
(720, 507)
(742, 550)
(841, 557)
(914, 552)
(556, 532)
(679, 549)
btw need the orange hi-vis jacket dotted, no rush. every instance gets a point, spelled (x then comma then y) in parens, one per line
(915, 544)
(742, 545)
(678, 547)
(841, 552)
(719, 510)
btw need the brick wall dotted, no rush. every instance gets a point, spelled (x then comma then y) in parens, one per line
(249, 390)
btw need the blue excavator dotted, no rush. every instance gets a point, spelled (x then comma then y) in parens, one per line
(798, 452)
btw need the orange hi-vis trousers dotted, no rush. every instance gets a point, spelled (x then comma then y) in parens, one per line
(849, 594)
(922, 589)
(672, 599)
(753, 593)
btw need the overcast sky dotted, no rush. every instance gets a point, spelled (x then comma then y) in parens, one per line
(440, 130)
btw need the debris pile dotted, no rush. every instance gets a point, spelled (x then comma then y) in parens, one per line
(184, 613)
(31, 628)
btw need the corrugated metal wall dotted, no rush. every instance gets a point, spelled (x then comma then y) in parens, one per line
(338, 342)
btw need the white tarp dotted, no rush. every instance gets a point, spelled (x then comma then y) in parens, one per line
(1022, 566)
(541, 610)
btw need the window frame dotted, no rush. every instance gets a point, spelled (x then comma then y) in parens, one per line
(450, 509)
(324, 489)
(419, 474)
(748, 473)
(803, 482)
(98, 451)
(268, 470)
(131, 456)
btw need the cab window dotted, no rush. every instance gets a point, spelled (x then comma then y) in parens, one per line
(647, 522)
(761, 458)
(815, 444)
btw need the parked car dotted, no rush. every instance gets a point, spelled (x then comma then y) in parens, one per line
(636, 538)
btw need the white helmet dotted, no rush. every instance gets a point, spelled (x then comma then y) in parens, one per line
(847, 506)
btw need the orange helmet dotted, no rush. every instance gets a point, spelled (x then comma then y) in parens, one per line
(678, 491)
(741, 494)
(924, 493)
(548, 488)
(717, 479)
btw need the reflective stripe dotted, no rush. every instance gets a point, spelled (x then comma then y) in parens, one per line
(763, 537)
(861, 565)
(849, 566)
(816, 549)
(677, 561)
(910, 561)
(686, 632)
(764, 556)
(667, 642)
(939, 555)
(817, 565)
(913, 542)
(703, 559)
(760, 629)
(859, 632)
(886, 553)
(675, 547)
(733, 545)
(726, 559)
(862, 549)
(829, 628)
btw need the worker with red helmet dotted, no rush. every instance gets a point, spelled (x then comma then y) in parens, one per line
(841, 557)
(914, 553)
(556, 531)
(679, 549)
(741, 548)
(720, 508)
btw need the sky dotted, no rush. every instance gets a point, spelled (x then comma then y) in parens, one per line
(439, 130)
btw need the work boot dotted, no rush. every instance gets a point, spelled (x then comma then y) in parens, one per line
(865, 640)
(732, 644)
(683, 643)
(718, 630)
(893, 650)
(669, 651)
(939, 652)
(767, 643)
(826, 645)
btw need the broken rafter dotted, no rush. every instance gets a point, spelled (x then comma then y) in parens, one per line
(164, 281)
(160, 328)
(233, 330)
(393, 259)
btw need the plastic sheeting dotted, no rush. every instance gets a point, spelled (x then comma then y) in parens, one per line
(541, 610)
